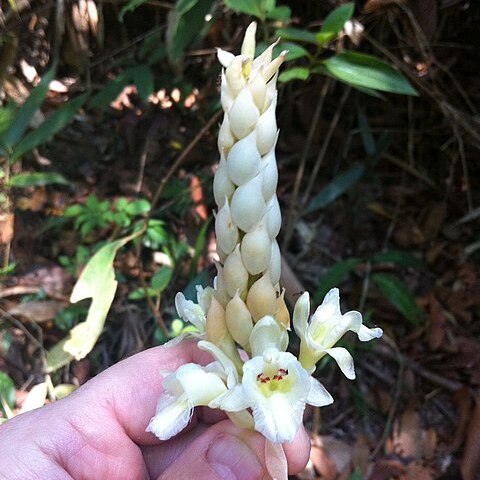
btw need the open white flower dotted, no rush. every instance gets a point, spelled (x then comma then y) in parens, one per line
(276, 388)
(192, 312)
(325, 329)
(191, 385)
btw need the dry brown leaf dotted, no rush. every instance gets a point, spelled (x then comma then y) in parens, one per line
(470, 463)
(385, 469)
(38, 310)
(463, 401)
(436, 324)
(406, 436)
(416, 471)
(6, 227)
(430, 440)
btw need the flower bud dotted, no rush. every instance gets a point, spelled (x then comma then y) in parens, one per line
(275, 263)
(225, 137)
(234, 76)
(243, 114)
(216, 326)
(243, 160)
(258, 88)
(261, 298)
(267, 128)
(239, 320)
(247, 205)
(272, 68)
(219, 286)
(256, 250)
(248, 45)
(235, 274)
(227, 232)
(273, 217)
(222, 186)
(269, 175)
(226, 98)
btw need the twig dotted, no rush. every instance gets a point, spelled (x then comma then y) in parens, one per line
(326, 142)
(292, 209)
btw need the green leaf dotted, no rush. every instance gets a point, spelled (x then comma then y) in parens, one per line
(139, 293)
(7, 389)
(334, 277)
(366, 133)
(37, 179)
(297, 35)
(26, 112)
(334, 22)
(183, 6)
(282, 13)
(250, 7)
(338, 186)
(397, 293)
(138, 207)
(367, 71)
(397, 257)
(183, 28)
(97, 282)
(161, 279)
(7, 114)
(143, 79)
(199, 244)
(52, 124)
(295, 73)
(294, 51)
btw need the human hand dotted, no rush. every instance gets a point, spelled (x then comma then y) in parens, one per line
(98, 432)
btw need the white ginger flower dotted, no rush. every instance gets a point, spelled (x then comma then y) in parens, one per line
(326, 327)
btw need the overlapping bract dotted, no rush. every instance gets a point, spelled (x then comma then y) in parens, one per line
(246, 307)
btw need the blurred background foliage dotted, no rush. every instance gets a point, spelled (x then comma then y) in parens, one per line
(108, 121)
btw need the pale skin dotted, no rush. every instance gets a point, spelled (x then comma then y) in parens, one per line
(98, 432)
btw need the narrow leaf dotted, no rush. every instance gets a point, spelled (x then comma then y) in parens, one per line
(52, 125)
(250, 7)
(161, 279)
(334, 277)
(26, 112)
(399, 258)
(338, 186)
(294, 51)
(37, 179)
(367, 71)
(398, 294)
(143, 79)
(297, 35)
(334, 22)
(295, 73)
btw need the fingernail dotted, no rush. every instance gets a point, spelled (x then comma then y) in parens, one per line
(232, 459)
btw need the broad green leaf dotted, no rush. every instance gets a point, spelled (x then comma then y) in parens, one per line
(52, 125)
(250, 7)
(97, 282)
(334, 22)
(282, 13)
(398, 294)
(7, 389)
(161, 279)
(143, 80)
(183, 28)
(338, 186)
(297, 35)
(26, 112)
(367, 71)
(294, 51)
(37, 179)
(334, 277)
(402, 259)
(183, 6)
(295, 73)
(137, 207)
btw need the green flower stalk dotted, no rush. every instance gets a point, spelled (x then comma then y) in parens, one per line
(246, 307)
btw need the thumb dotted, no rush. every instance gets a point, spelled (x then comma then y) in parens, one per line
(223, 452)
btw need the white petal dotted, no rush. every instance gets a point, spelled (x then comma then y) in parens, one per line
(365, 334)
(344, 361)
(190, 311)
(224, 57)
(227, 365)
(234, 400)
(200, 387)
(172, 416)
(266, 334)
(301, 313)
(277, 418)
(318, 395)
